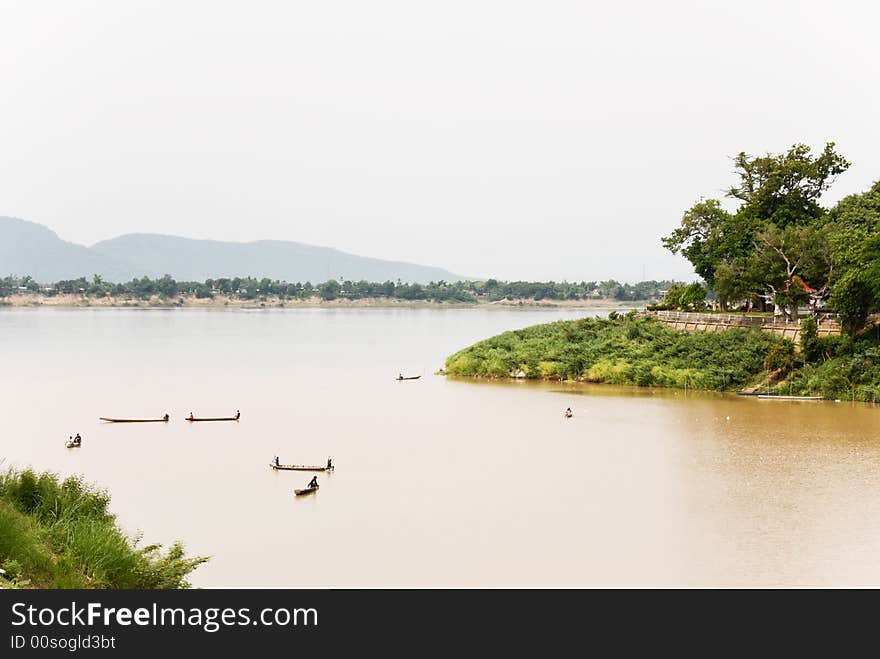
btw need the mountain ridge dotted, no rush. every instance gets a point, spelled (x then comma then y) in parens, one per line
(28, 248)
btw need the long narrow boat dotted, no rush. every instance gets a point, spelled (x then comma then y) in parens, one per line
(308, 490)
(774, 397)
(401, 379)
(218, 418)
(299, 467)
(109, 420)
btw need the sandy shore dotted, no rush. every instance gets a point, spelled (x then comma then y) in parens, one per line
(221, 302)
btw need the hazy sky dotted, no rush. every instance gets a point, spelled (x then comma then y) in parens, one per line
(527, 140)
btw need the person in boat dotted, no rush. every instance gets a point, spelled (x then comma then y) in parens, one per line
(313, 482)
(277, 462)
(329, 463)
(166, 417)
(190, 417)
(400, 376)
(237, 415)
(567, 411)
(77, 439)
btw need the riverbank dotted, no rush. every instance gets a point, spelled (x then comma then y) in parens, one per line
(222, 301)
(641, 351)
(60, 535)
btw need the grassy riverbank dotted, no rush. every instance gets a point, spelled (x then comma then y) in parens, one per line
(630, 350)
(60, 535)
(622, 350)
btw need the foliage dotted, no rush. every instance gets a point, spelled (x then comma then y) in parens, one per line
(780, 357)
(775, 246)
(844, 368)
(60, 535)
(810, 346)
(249, 288)
(621, 350)
(691, 297)
(784, 189)
(640, 351)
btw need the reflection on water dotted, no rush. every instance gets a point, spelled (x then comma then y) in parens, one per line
(439, 482)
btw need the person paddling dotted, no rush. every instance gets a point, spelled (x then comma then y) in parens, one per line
(313, 483)
(277, 463)
(237, 415)
(329, 463)
(568, 413)
(190, 417)
(166, 417)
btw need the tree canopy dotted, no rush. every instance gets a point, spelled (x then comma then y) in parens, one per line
(779, 245)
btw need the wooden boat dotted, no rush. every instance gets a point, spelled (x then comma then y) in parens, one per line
(400, 378)
(109, 420)
(218, 418)
(299, 467)
(308, 490)
(72, 444)
(747, 393)
(568, 415)
(775, 397)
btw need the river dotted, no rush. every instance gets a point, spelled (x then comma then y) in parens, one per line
(439, 482)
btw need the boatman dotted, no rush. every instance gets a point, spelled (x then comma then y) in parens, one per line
(166, 417)
(329, 464)
(277, 463)
(190, 417)
(568, 411)
(237, 414)
(313, 482)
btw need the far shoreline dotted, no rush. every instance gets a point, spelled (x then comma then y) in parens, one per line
(38, 301)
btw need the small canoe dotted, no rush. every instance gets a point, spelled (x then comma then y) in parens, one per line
(308, 490)
(299, 467)
(72, 445)
(568, 416)
(747, 393)
(414, 377)
(108, 420)
(774, 397)
(219, 418)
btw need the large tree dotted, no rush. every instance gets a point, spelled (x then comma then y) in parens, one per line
(782, 263)
(854, 244)
(746, 251)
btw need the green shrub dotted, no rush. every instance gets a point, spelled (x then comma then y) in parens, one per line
(61, 535)
(622, 350)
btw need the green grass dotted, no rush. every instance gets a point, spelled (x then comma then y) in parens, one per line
(641, 351)
(622, 350)
(843, 368)
(60, 535)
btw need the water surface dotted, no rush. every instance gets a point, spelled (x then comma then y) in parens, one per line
(440, 482)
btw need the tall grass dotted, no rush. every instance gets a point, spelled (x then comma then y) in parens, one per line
(622, 350)
(60, 535)
(641, 351)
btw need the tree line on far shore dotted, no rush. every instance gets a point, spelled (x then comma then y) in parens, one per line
(249, 288)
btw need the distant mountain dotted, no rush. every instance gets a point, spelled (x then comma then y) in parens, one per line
(32, 249)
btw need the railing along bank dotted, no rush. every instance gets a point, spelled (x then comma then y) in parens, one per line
(714, 322)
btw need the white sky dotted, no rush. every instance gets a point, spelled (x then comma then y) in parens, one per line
(528, 140)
